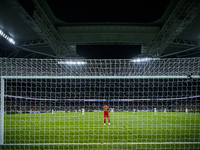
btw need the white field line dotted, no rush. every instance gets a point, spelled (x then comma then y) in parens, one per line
(91, 127)
(77, 126)
(77, 129)
(128, 143)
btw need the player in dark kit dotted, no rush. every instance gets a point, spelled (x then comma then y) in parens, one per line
(105, 109)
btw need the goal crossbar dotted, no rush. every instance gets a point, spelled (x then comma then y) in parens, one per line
(97, 77)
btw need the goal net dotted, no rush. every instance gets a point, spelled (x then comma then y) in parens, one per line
(58, 104)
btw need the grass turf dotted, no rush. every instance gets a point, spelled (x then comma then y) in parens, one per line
(128, 130)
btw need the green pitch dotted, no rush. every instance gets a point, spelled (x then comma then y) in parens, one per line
(128, 130)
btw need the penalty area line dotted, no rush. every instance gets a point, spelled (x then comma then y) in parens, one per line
(128, 143)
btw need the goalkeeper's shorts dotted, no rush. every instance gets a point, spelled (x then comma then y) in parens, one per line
(106, 115)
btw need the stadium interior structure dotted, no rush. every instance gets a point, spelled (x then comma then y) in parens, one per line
(59, 57)
(52, 29)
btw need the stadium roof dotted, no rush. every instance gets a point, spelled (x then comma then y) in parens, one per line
(86, 29)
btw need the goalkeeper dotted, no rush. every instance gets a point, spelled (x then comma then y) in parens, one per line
(106, 108)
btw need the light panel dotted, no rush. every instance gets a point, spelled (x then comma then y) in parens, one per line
(143, 59)
(72, 62)
(7, 37)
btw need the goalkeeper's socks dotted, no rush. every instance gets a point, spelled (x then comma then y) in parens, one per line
(104, 121)
(109, 120)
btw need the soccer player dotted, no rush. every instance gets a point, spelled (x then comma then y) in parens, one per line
(83, 111)
(112, 110)
(155, 111)
(186, 111)
(105, 109)
(165, 110)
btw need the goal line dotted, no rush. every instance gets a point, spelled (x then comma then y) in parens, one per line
(129, 143)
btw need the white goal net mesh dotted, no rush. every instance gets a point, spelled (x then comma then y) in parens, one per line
(58, 104)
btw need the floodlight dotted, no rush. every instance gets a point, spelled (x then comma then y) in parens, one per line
(138, 60)
(144, 59)
(7, 37)
(72, 62)
(11, 41)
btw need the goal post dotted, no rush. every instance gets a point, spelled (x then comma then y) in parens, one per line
(2, 112)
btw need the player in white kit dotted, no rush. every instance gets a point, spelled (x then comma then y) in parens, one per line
(155, 111)
(82, 111)
(112, 110)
